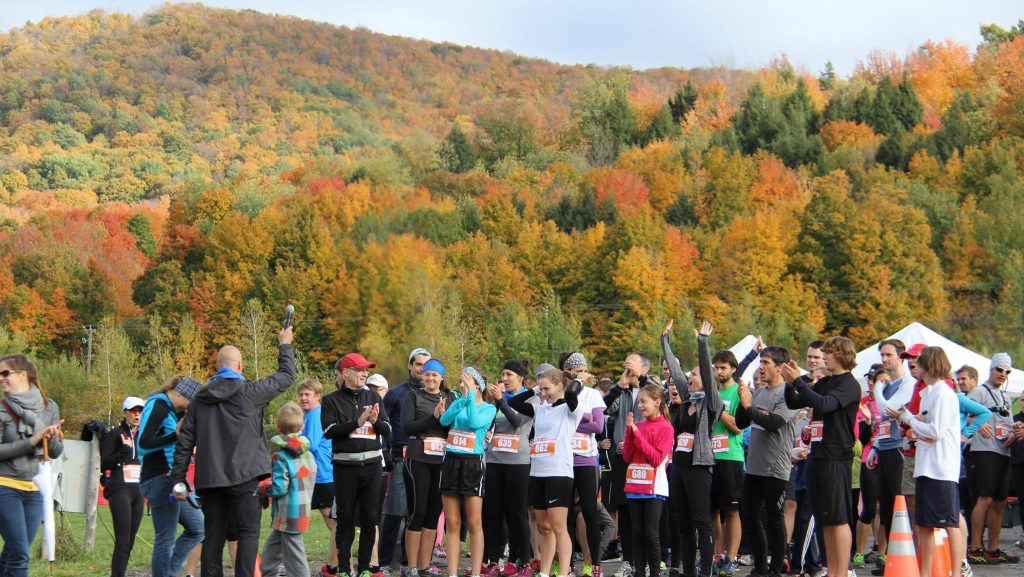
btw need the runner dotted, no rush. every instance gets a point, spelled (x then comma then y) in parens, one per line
(551, 483)
(693, 460)
(462, 471)
(421, 421)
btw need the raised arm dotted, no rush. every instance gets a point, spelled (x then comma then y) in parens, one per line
(519, 404)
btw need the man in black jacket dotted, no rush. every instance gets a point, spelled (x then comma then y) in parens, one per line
(224, 423)
(354, 421)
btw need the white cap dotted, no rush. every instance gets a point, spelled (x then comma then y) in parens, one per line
(132, 402)
(377, 380)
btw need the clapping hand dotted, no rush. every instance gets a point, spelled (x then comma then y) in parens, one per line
(790, 372)
(439, 409)
(629, 420)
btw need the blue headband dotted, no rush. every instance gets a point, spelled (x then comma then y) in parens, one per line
(434, 365)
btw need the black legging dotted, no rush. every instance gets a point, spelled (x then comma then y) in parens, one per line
(869, 487)
(646, 517)
(1017, 479)
(764, 521)
(691, 501)
(505, 491)
(586, 480)
(422, 495)
(126, 507)
(890, 484)
(354, 484)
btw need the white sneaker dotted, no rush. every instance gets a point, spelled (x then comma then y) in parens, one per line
(965, 569)
(626, 570)
(851, 573)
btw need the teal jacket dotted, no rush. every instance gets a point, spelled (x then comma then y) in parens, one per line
(466, 415)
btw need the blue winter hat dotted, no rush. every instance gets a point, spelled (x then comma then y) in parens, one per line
(434, 365)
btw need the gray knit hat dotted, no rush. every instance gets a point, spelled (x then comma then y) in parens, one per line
(542, 368)
(187, 387)
(1000, 360)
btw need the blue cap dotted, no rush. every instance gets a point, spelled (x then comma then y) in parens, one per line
(434, 365)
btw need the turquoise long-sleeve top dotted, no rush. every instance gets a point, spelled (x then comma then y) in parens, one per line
(969, 408)
(465, 414)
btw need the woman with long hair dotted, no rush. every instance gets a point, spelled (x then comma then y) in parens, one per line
(507, 477)
(27, 420)
(551, 484)
(462, 471)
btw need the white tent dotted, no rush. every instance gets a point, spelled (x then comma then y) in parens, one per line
(958, 355)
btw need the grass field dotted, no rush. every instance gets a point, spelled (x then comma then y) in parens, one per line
(97, 563)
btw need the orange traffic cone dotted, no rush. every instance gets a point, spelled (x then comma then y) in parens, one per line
(900, 559)
(942, 565)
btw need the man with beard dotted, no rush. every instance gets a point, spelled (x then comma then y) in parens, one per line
(727, 445)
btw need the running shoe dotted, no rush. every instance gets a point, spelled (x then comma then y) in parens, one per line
(509, 570)
(326, 572)
(976, 555)
(597, 571)
(408, 572)
(1001, 556)
(871, 558)
(366, 573)
(588, 570)
(491, 570)
(431, 571)
(965, 569)
(746, 560)
(439, 552)
(626, 570)
(525, 571)
(858, 561)
(728, 568)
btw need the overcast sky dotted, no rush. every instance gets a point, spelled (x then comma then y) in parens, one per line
(638, 33)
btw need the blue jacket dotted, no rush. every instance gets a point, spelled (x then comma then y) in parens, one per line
(466, 415)
(319, 445)
(969, 408)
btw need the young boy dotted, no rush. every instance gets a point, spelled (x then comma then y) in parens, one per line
(291, 487)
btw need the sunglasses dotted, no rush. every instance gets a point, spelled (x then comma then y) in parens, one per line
(7, 372)
(999, 370)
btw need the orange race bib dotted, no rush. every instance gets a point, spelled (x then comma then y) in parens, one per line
(131, 473)
(1002, 431)
(817, 431)
(719, 443)
(640, 474)
(684, 442)
(885, 429)
(580, 443)
(505, 443)
(542, 448)
(434, 446)
(364, 432)
(463, 440)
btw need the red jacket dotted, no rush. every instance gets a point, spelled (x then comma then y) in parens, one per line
(646, 451)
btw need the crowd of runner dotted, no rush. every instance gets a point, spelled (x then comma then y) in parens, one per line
(549, 471)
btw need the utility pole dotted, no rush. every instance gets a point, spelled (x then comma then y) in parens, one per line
(89, 330)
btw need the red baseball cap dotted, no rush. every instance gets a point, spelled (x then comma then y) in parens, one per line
(914, 351)
(356, 361)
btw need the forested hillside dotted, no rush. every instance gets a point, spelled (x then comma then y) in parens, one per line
(173, 180)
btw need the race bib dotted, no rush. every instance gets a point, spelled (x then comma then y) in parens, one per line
(434, 446)
(505, 443)
(1003, 431)
(463, 440)
(885, 429)
(817, 431)
(684, 442)
(640, 474)
(131, 473)
(720, 443)
(364, 432)
(580, 443)
(542, 448)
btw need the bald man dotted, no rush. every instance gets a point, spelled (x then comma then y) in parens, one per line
(225, 424)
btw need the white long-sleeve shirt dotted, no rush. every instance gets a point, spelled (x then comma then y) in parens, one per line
(937, 428)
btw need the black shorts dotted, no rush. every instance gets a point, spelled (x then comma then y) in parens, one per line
(727, 485)
(791, 490)
(938, 503)
(323, 496)
(462, 475)
(988, 474)
(829, 485)
(548, 492)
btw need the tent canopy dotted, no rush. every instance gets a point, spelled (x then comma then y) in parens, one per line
(958, 355)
